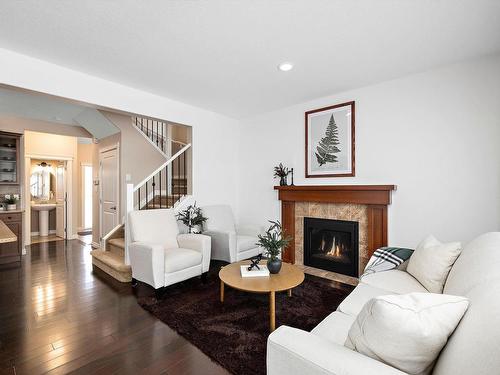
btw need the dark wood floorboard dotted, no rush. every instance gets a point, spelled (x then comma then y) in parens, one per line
(58, 316)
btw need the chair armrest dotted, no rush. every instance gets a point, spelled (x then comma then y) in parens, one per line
(223, 245)
(148, 263)
(293, 351)
(198, 242)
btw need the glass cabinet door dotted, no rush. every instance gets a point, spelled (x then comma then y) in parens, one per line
(8, 159)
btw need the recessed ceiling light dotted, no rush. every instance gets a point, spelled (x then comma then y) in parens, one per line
(285, 66)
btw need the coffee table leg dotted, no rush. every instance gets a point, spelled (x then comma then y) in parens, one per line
(222, 291)
(272, 311)
(289, 292)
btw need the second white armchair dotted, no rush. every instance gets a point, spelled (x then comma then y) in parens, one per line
(229, 243)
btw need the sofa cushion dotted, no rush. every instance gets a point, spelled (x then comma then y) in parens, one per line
(335, 327)
(177, 259)
(406, 331)
(244, 243)
(394, 281)
(355, 301)
(431, 263)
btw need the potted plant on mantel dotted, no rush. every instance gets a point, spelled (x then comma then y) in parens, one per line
(282, 172)
(273, 241)
(192, 217)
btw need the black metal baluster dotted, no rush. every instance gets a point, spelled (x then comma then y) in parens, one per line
(139, 198)
(184, 179)
(162, 139)
(153, 191)
(160, 189)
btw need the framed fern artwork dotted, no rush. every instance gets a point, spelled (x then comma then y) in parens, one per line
(330, 141)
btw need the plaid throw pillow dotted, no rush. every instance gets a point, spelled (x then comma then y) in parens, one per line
(387, 258)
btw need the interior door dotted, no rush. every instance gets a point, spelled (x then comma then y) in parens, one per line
(109, 190)
(61, 195)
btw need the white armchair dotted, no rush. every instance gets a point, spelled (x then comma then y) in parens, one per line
(229, 243)
(159, 255)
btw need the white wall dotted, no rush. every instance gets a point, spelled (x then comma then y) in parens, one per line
(214, 135)
(436, 135)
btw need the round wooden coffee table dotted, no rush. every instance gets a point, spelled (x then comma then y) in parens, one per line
(288, 278)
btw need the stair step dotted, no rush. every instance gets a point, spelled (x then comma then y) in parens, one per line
(116, 246)
(118, 242)
(113, 264)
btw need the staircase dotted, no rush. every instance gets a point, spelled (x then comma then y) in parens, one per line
(163, 188)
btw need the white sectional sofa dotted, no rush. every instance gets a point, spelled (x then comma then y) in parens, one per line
(473, 349)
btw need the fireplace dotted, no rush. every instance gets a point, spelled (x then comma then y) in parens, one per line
(331, 245)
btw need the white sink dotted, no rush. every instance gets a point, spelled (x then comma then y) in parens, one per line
(43, 206)
(43, 215)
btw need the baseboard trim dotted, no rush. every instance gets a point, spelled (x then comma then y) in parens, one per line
(95, 245)
(52, 231)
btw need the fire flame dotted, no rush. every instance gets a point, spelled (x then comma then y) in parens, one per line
(336, 250)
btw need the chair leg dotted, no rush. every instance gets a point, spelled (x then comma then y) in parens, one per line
(159, 293)
(204, 277)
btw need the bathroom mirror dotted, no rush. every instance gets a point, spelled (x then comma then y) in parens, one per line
(40, 182)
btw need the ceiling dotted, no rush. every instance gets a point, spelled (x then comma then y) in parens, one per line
(54, 110)
(222, 54)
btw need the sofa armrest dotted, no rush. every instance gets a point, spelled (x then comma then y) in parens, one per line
(198, 242)
(293, 351)
(223, 245)
(148, 263)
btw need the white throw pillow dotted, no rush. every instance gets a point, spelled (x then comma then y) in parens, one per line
(431, 263)
(406, 331)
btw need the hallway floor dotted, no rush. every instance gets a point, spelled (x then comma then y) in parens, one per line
(57, 317)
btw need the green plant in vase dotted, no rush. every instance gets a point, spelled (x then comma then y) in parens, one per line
(191, 217)
(10, 202)
(282, 172)
(273, 241)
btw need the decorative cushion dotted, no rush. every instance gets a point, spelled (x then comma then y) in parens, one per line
(244, 243)
(406, 331)
(179, 259)
(432, 261)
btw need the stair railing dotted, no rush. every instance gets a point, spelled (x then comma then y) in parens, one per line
(155, 131)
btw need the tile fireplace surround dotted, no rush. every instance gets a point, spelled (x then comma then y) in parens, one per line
(366, 204)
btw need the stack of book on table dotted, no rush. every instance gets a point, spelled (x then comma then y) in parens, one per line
(262, 272)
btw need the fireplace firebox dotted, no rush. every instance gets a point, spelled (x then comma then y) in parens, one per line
(331, 245)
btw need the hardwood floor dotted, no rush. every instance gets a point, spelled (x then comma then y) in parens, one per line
(57, 316)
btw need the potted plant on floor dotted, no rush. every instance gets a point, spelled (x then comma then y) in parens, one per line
(192, 217)
(273, 241)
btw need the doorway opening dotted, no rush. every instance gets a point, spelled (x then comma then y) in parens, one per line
(48, 186)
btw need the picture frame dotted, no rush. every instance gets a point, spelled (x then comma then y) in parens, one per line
(330, 142)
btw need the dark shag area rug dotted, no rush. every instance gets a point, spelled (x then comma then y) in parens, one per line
(234, 333)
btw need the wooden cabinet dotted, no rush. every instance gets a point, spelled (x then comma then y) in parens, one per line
(12, 251)
(9, 158)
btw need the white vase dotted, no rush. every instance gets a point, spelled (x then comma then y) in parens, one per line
(11, 207)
